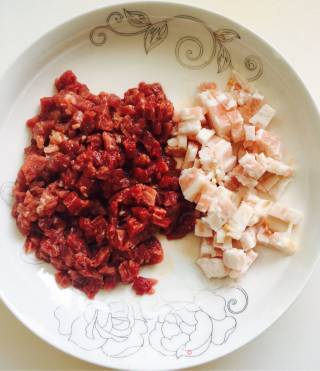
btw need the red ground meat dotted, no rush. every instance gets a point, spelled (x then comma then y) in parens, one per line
(96, 185)
(142, 285)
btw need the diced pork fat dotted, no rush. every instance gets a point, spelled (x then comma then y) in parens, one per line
(248, 239)
(263, 117)
(234, 259)
(285, 213)
(251, 256)
(278, 240)
(192, 113)
(191, 182)
(269, 143)
(251, 166)
(206, 248)
(202, 229)
(189, 127)
(213, 268)
(205, 135)
(240, 220)
(191, 155)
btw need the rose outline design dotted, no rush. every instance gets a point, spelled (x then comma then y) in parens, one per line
(185, 329)
(117, 329)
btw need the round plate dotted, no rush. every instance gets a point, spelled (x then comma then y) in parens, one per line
(189, 320)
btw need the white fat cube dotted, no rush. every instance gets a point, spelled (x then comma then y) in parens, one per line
(234, 259)
(213, 267)
(191, 155)
(189, 127)
(269, 143)
(248, 239)
(263, 117)
(206, 248)
(206, 197)
(205, 135)
(191, 113)
(202, 229)
(285, 213)
(251, 256)
(207, 100)
(251, 166)
(249, 132)
(180, 141)
(226, 100)
(240, 220)
(278, 240)
(274, 166)
(191, 182)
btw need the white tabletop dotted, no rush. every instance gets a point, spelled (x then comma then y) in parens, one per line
(293, 27)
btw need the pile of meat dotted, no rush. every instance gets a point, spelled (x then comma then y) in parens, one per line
(233, 169)
(96, 185)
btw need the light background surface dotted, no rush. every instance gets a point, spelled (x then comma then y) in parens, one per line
(292, 27)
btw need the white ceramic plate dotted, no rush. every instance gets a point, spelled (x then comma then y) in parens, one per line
(189, 320)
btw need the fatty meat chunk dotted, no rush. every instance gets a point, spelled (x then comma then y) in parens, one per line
(206, 248)
(251, 256)
(205, 135)
(251, 166)
(189, 127)
(234, 259)
(202, 229)
(269, 143)
(206, 197)
(213, 267)
(248, 239)
(191, 182)
(274, 166)
(278, 240)
(263, 117)
(285, 213)
(192, 113)
(191, 155)
(240, 220)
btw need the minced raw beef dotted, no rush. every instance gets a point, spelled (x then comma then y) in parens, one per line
(96, 185)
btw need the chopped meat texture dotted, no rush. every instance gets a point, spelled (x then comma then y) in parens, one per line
(98, 181)
(234, 174)
(142, 285)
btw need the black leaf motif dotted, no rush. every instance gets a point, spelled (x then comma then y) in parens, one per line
(155, 35)
(226, 35)
(223, 58)
(137, 18)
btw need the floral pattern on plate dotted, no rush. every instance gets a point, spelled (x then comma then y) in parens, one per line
(178, 329)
